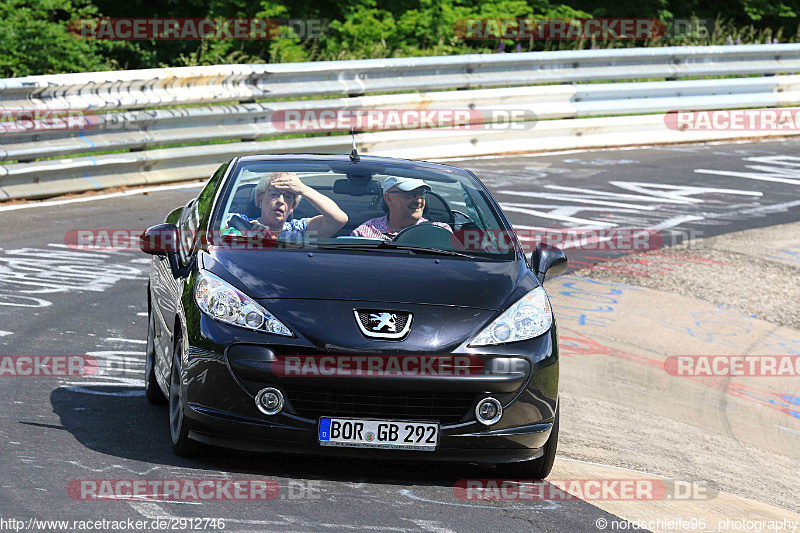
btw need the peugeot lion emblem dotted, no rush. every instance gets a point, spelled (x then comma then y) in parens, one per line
(383, 324)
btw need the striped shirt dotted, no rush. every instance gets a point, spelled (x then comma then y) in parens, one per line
(378, 228)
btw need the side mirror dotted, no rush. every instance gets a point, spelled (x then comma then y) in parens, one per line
(547, 259)
(162, 240)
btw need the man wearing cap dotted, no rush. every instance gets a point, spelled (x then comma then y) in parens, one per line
(405, 198)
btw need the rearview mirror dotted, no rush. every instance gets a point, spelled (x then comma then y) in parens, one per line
(547, 259)
(357, 187)
(162, 240)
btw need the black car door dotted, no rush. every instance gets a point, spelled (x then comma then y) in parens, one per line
(166, 289)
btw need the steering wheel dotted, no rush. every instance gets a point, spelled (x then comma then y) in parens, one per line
(450, 216)
(467, 220)
(425, 234)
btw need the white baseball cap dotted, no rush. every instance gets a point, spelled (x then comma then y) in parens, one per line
(404, 184)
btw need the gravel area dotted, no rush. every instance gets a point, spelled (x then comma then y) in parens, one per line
(735, 270)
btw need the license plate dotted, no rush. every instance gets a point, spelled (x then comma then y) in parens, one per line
(397, 435)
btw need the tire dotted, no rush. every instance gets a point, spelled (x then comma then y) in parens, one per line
(152, 390)
(179, 426)
(540, 467)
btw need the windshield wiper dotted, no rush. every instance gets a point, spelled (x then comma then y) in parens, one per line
(386, 245)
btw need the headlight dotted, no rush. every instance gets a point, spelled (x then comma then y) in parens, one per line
(529, 317)
(222, 301)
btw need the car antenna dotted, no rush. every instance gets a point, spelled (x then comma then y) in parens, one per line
(354, 157)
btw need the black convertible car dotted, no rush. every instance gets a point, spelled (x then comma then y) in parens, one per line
(434, 343)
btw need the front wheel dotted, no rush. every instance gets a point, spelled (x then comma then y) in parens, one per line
(182, 445)
(540, 467)
(152, 390)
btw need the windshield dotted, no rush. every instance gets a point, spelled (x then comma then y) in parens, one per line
(333, 205)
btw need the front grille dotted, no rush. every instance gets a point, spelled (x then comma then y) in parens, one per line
(444, 407)
(364, 315)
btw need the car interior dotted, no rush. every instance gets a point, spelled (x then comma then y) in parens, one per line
(362, 200)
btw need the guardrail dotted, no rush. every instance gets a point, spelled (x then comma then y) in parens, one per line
(136, 111)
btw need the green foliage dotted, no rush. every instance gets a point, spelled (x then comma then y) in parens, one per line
(34, 36)
(34, 39)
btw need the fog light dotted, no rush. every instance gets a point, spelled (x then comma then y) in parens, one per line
(488, 411)
(269, 401)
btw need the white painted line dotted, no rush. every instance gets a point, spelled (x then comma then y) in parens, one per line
(546, 214)
(64, 246)
(154, 500)
(749, 175)
(120, 339)
(126, 394)
(103, 196)
(546, 505)
(4, 333)
(577, 244)
(787, 429)
(122, 359)
(113, 353)
(575, 198)
(140, 473)
(538, 154)
(431, 525)
(536, 228)
(770, 208)
(675, 221)
(143, 313)
(316, 526)
(150, 510)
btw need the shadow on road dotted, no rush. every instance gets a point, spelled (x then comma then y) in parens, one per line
(119, 422)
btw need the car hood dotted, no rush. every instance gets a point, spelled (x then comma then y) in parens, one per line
(370, 276)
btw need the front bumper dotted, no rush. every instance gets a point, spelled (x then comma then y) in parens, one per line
(221, 383)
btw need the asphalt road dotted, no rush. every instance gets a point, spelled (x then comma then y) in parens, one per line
(56, 301)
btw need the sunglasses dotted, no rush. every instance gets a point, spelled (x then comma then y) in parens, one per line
(288, 197)
(416, 193)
